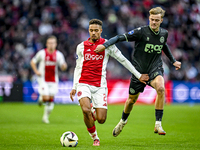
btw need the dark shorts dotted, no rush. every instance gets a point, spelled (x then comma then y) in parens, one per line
(136, 86)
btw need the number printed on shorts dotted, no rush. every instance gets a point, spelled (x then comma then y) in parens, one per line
(104, 97)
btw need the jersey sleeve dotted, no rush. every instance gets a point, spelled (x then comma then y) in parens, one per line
(116, 53)
(168, 53)
(133, 35)
(37, 57)
(61, 59)
(78, 68)
(114, 40)
(166, 49)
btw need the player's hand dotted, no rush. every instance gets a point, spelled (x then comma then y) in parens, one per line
(99, 48)
(38, 73)
(177, 65)
(63, 67)
(72, 94)
(144, 78)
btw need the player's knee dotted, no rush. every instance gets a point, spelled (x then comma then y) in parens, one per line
(101, 120)
(45, 98)
(86, 111)
(131, 101)
(161, 90)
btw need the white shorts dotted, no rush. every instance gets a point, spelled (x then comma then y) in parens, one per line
(98, 95)
(48, 88)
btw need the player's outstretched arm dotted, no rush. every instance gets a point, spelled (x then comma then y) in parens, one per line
(177, 65)
(72, 94)
(116, 53)
(144, 78)
(113, 40)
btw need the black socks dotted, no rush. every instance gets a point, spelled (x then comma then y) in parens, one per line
(125, 116)
(159, 114)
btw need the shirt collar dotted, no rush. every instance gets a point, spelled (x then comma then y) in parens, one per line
(156, 33)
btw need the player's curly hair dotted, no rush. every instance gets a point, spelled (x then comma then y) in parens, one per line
(96, 21)
(157, 10)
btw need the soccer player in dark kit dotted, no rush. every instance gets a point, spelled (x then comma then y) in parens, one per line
(150, 41)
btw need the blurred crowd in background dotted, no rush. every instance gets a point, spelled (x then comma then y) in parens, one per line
(25, 25)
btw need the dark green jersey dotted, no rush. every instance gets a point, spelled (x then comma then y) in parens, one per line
(148, 47)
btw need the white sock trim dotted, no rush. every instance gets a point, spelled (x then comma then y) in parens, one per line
(158, 123)
(94, 135)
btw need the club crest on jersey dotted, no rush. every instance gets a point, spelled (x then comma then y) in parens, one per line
(131, 32)
(162, 39)
(79, 93)
(76, 56)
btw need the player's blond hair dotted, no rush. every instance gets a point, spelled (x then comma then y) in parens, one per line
(52, 37)
(96, 21)
(157, 10)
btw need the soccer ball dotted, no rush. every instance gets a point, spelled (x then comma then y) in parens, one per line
(69, 139)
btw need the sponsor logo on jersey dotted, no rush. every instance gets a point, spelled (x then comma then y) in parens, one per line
(88, 50)
(93, 57)
(162, 39)
(150, 48)
(131, 32)
(50, 63)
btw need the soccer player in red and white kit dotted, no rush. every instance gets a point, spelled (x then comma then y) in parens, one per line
(90, 77)
(47, 74)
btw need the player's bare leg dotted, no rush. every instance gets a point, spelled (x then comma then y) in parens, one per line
(130, 102)
(127, 109)
(88, 119)
(101, 115)
(158, 84)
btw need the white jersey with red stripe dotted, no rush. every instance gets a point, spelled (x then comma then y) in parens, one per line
(48, 65)
(91, 67)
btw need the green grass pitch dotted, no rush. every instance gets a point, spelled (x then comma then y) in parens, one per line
(21, 128)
